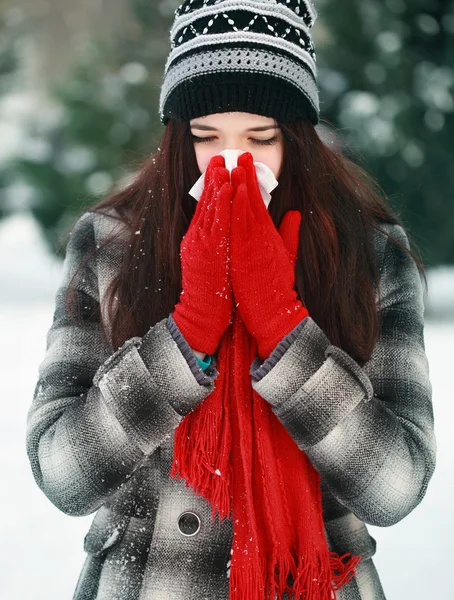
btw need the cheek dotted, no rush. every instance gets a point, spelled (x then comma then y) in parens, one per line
(203, 156)
(277, 166)
(273, 160)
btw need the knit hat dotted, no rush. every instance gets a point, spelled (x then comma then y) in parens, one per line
(241, 55)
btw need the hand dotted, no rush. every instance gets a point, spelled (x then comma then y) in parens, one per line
(205, 308)
(262, 262)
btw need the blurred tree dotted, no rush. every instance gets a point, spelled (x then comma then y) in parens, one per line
(101, 121)
(9, 63)
(59, 29)
(386, 77)
(10, 39)
(386, 72)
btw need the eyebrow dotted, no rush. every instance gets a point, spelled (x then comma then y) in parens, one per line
(208, 128)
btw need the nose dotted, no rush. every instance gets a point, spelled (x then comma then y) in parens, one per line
(231, 157)
(240, 146)
(235, 144)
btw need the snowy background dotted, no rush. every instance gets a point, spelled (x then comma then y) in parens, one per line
(42, 550)
(386, 77)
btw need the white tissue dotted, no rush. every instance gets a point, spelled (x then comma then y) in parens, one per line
(265, 176)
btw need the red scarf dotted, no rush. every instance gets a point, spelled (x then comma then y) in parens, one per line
(234, 451)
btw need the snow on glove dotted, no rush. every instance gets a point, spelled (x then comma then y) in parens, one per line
(262, 262)
(205, 307)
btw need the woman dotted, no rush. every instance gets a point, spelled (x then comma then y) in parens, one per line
(236, 391)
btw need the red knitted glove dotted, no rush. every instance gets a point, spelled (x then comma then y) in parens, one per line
(205, 307)
(262, 263)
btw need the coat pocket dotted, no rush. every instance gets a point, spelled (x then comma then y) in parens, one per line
(106, 530)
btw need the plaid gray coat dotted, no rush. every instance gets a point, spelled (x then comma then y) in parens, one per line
(100, 433)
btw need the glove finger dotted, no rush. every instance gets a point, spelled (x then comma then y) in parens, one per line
(238, 177)
(204, 201)
(224, 201)
(216, 161)
(246, 161)
(222, 213)
(289, 232)
(208, 215)
(241, 217)
(206, 180)
(221, 196)
(219, 177)
(196, 217)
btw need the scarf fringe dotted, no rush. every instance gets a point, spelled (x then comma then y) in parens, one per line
(315, 580)
(212, 483)
(282, 566)
(246, 583)
(342, 570)
(319, 580)
(215, 450)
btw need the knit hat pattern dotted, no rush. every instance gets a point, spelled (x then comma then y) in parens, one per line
(241, 55)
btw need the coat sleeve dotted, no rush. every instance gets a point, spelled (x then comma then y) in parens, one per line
(368, 431)
(96, 415)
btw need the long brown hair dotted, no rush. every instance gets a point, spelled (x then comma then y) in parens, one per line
(336, 272)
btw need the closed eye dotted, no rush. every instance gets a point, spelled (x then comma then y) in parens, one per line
(269, 142)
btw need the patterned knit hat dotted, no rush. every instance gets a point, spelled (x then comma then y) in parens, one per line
(241, 55)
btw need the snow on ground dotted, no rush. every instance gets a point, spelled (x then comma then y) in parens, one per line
(42, 553)
(28, 273)
(440, 298)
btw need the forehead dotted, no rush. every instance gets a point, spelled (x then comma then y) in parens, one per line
(233, 119)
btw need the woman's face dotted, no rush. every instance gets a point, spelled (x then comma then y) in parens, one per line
(261, 136)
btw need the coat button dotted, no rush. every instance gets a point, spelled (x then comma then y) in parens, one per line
(188, 523)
